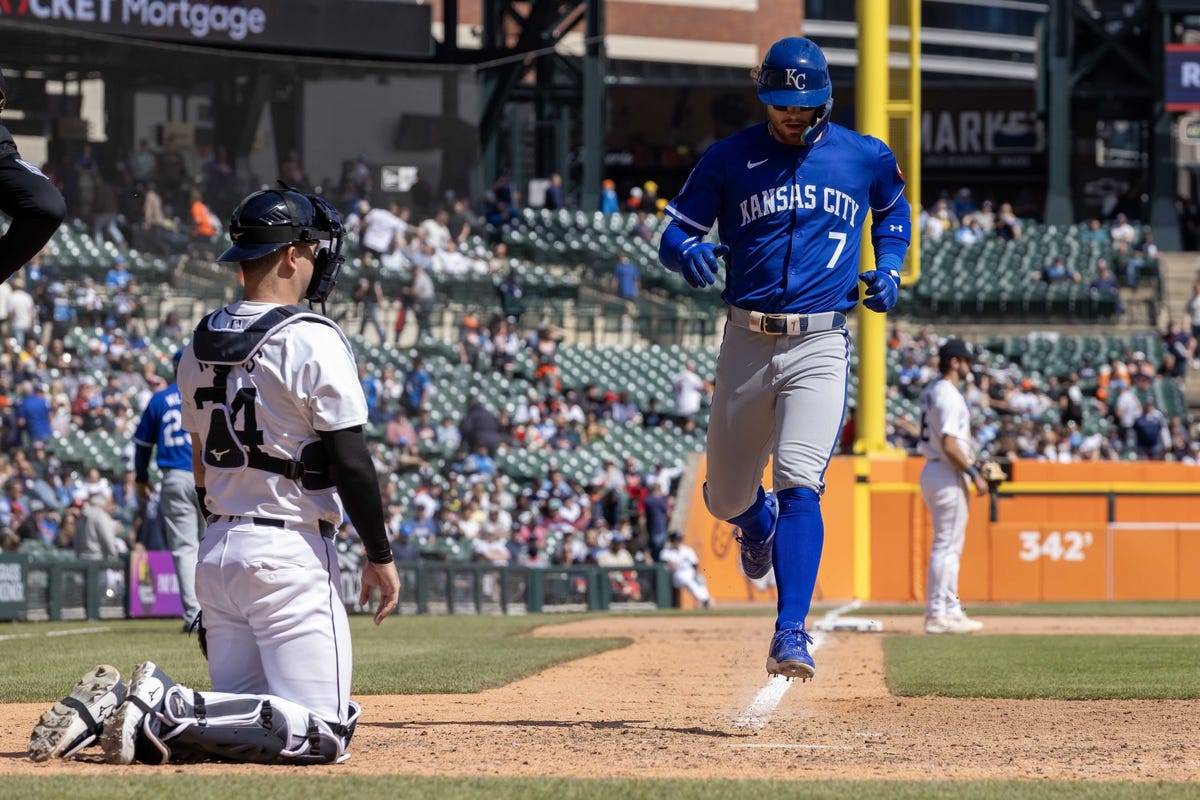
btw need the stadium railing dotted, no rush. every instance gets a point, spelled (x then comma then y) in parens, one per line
(55, 589)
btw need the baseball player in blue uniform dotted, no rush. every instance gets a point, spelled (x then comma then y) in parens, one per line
(161, 427)
(790, 198)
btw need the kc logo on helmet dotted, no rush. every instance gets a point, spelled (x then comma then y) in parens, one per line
(796, 78)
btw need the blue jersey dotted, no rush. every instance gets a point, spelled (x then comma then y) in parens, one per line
(793, 217)
(162, 427)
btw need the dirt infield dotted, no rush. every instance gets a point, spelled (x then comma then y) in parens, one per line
(670, 705)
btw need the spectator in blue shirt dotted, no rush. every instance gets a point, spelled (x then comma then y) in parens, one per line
(609, 202)
(416, 384)
(555, 198)
(1106, 283)
(33, 414)
(373, 391)
(420, 528)
(118, 277)
(627, 278)
(480, 462)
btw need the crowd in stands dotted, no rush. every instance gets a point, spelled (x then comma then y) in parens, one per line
(459, 492)
(969, 224)
(1102, 410)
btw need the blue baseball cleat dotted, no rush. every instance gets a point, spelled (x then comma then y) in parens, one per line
(789, 654)
(756, 555)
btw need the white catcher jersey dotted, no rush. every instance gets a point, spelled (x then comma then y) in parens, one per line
(944, 411)
(304, 379)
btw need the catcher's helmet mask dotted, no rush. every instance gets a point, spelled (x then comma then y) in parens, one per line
(794, 73)
(272, 219)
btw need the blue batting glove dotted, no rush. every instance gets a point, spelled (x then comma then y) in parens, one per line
(699, 263)
(883, 289)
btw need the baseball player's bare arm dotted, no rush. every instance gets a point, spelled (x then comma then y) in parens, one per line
(956, 456)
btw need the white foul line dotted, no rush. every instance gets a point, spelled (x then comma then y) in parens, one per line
(756, 716)
(792, 746)
(67, 632)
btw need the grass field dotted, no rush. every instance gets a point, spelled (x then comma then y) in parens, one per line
(405, 655)
(288, 784)
(450, 655)
(1052, 667)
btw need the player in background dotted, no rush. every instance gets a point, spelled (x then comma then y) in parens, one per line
(948, 473)
(683, 564)
(28, 198)
(276, 414)
(161, 427)
(790, 198)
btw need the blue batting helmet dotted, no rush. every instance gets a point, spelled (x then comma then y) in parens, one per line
(794, 73)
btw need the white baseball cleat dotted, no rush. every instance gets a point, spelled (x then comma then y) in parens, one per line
(76, 721)
(144, 699)
(952, 624)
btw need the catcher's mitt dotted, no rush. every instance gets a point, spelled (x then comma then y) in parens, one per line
(993, 473)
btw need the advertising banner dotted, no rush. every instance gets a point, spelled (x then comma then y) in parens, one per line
(1182, 86)
(12, 586)
(351, 26)
(153, 585)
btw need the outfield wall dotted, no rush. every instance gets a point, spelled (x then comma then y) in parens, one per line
(1091, 531)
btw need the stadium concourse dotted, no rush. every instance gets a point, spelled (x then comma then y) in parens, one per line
(518, 424)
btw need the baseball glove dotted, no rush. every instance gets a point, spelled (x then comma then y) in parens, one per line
(993, 473)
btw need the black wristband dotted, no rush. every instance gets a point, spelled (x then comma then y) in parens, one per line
(972, 472)
(202, 496)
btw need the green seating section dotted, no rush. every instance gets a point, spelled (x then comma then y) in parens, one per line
(996, 278)
(574, 238)
(75, 255)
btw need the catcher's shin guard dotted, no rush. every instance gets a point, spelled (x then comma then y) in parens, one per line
(251, 729)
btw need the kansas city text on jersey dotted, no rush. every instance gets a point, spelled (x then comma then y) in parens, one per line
(804, 196)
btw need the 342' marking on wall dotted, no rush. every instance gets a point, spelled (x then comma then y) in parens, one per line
(1055, 546)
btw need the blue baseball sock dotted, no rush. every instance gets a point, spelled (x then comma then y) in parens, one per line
(756, 520)
(799, 537)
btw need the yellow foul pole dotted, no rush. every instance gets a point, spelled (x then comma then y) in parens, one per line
(871, 117)
(870, 114)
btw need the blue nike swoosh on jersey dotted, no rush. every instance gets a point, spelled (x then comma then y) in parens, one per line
(753, 164)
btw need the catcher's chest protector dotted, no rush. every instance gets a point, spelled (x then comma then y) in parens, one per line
(227, 448)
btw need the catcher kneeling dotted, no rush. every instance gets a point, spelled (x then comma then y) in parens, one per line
(154, 720)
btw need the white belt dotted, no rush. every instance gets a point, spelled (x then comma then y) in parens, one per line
(786, 324)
